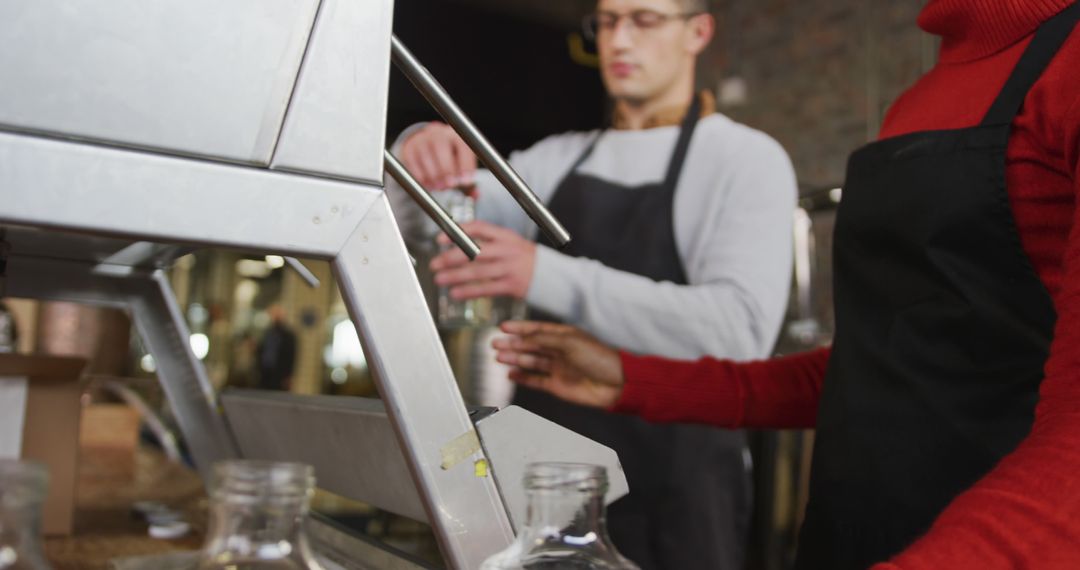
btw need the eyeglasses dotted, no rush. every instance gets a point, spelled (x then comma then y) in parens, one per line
(642, 20)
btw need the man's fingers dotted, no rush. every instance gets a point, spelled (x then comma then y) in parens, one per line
(426, 157)
(466, 161)
(410, 156)
(469, 273)
(443, 153)
(450, 258)
(476, 289)
(490, 252)
(486, 231)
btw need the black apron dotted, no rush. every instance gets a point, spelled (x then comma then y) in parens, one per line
(943, 328)
(689, 501)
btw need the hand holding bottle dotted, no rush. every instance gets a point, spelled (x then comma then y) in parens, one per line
(503, 268)
(438, 158)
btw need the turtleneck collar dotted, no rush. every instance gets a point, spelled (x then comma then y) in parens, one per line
(974, 29)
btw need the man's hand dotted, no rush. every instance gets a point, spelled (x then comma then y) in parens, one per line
(563, 361)
(438, 158)
(503, 268)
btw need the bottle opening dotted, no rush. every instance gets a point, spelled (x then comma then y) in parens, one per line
(246, 481)
(22, 482)
(581, 477)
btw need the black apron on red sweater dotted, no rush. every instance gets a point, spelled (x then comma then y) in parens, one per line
(943, 328)
(689, 501)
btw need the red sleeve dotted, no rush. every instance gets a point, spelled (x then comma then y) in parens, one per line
(1026, 512)
(780, 393)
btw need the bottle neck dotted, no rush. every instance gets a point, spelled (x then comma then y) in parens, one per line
(245, 530)
(257, 515)
(22, 494)
(20, 535)
(574, 518)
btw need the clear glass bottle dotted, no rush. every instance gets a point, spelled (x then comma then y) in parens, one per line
(565, 527)
(257, 515)
(22, 491)
(460, 203)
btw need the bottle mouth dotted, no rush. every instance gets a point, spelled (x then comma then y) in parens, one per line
(22, 483)
(245, 481)
(551, 476)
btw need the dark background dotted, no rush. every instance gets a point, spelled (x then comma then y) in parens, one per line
(512, 76)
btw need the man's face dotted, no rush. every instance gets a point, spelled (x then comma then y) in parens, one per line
(639, 62)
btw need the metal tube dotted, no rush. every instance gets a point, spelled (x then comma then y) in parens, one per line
(426, 83)
(430, 206)
(303, 271)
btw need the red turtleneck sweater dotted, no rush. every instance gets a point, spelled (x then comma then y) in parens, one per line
(1026, 512)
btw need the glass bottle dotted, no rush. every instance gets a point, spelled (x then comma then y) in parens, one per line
(22, 491)
(257, 515)
(565, 525)
(460, 204)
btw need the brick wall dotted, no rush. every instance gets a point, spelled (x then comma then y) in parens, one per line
(820, 74)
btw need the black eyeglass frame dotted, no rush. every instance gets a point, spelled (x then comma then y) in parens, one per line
(590, 24)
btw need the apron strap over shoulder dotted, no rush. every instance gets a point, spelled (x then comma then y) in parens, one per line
(1044, 46)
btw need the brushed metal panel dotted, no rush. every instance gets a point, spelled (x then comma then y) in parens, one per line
(336, 124)
(150, 197)
(201, 77)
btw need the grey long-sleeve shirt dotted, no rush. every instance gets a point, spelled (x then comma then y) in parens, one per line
(733, 213)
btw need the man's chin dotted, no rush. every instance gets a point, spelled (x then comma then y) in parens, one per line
(629, 99)
(626, 93)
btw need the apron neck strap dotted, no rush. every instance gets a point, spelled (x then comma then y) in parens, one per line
(1048, 39)
(683, 144)
(675, 165)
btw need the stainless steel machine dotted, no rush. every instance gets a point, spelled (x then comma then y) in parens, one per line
(132, 132)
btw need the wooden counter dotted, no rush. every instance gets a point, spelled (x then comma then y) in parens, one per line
(104, 525)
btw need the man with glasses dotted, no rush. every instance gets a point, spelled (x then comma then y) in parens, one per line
(681, 247)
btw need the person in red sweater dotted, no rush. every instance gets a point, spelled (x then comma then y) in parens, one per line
(948, 408)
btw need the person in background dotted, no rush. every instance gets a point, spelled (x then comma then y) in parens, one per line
(9, 332)
(275, 356)
(681, 245)
(948, 408)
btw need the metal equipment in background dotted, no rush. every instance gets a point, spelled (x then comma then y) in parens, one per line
(131, 132)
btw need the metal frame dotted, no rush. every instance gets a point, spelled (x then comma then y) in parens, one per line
(379, 287)
(95, 215)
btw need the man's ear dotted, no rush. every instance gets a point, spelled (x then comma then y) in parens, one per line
(702, 29)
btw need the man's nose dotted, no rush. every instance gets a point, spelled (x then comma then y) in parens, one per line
(621, 34)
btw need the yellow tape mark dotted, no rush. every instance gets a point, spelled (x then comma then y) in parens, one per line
(480, 468)
(459, 449)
